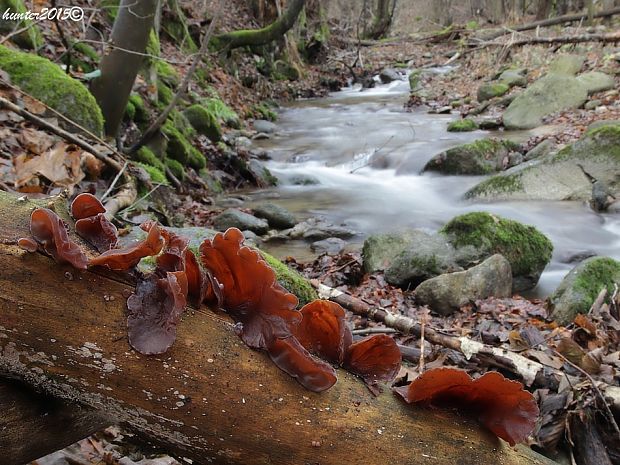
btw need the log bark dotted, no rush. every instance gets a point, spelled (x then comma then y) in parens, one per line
(262, 36)
(209, 398)
(33, 425)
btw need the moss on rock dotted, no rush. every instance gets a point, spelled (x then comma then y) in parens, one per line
(179, 147)
(204, 122)
(222, 112)
(579, 289)
(496, 184)
(291, 280)
(526, 248)
(263, 111)
(46, 81)
(492, 89)
(196, 159)
(167, 74)
(146, 156)
(157, 175)
(136, 110)
(176, 168)
(483, 156)
(462, 125)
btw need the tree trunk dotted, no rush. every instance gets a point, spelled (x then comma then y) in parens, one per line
(382, 19)
(210, 398)
(30, 423)
(544, 8)
(121, 64)
(262, 36)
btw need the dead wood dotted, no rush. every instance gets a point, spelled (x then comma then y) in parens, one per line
(33, 425)
(210, 398)
(575, 39)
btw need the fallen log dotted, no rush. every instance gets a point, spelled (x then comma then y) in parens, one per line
(576, 39)
(209, 398)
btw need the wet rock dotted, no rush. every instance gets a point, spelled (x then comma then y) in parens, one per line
(379, 250)
(592, 104)
(490, 90)
(515, 158)
(480, 157)
(304, 180)
(233, 218)
(316, 229)
(422, 257)
(330, 246)
(278, 217)
(568, 65)
(513, 77)
(478, 235)
(595, 81)
(489, 123)
(577, 257)
(261, 174)
(251, 238)
(261, 136)
(446, 293)
(243, 142)
(228, 202)
(462, 125)
(581, 286)
(558, 176)
(389, 75)
(541, 149)
(265, 126)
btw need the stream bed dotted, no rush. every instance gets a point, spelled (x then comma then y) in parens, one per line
(366, 153)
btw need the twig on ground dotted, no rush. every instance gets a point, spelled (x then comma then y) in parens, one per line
(366, 331)
(114, 181)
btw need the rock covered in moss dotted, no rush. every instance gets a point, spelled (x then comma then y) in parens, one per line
(157, 175)
(291, 280)
(558, 176)
(446, 293)
(222, 112)
(379, 250)
(176, 168)
(178, 146)
(492, 89)
(483, 234)
(146, 156)
(204, 122)
(462, 125)
(480, 157)
(136, 110)
(167, 74)
(578, 290)
(30, 37)
(513, 77)
(49, 83)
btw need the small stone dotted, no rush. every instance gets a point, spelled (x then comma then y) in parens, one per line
(329, 246)
(233, 218)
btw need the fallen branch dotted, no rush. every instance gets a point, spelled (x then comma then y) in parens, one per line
(530, 370)
(604, 38)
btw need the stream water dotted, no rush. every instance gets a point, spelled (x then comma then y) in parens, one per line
(367, 152)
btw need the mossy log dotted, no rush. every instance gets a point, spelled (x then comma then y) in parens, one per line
(264, 35)
(209, 398)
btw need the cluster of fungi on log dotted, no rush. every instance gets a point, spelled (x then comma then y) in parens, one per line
(305, 343)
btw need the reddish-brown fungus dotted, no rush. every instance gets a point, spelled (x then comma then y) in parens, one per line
(323, 330)
(375, 358)
(290, 356)
(49, 231)
(124, 259)
(251, 294)
(86, 205)
(28, 244)
(98, 231)
(154, 311)
(500, 404)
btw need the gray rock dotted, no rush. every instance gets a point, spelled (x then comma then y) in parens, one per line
(595, 81)
(265, 126)
(226, 202)
(379, 250)
(540, 150)
(330, 246)
(446, 293)
(261, 174)
(548, 95)
(558, 176)
(233, 218)
(491, 89)
(489, 123)
(581, 286)
(601, 123)
(592, 104)
(243, 142)
(515, 158)
(278, 217)
(480, 157)
(316, 229)
(304, 180)
(568, 65)
(389, 75)
(513, 77)
(426, 256)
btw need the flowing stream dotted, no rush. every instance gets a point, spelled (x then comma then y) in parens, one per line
(367, 152)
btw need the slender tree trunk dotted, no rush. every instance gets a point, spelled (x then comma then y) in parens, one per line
(120, 66)
(264, 35)
(544, 8)
(382, 19)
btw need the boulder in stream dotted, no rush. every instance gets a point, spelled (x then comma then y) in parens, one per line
(480, 157)
(316, 229)
(595, 81)
(278, 217)
(233, 218)
(446, 293)
(581, 286)
(558, 176)
(478, 235)
(490, 90)
(389, 75)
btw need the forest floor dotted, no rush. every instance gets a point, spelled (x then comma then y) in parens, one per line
(591, 345)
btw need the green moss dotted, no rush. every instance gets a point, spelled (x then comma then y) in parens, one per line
(146, 156)
(222, 112)
(164, 95)
(479, 157)
(130, 111)
(524, 246)
(140, 114)
(492, 89)
(175, 25)
(180, 121)
(30, 38)
(462, 125)
(167, 74)
(214, 184)
(157, 175)
(496, 184)
(596, 274)
(608, 131)
(291, 280)
(176, 168)
(49, 83)
(204, 122)
(178, 146)
(196, 159)
(110, 7)
(263, 111)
